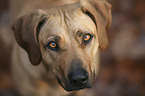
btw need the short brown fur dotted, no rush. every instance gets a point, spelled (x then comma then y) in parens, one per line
(67, 25)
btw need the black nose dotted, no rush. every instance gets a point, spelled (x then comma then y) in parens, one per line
(78, 77)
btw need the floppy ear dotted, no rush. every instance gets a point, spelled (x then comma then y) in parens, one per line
(26, 30)
(100, 12)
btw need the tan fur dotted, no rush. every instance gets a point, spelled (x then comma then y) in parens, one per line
(63, 23)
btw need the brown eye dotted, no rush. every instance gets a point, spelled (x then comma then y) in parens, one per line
(52, 44)
(87, 38)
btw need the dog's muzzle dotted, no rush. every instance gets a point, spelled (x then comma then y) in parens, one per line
(77, 79)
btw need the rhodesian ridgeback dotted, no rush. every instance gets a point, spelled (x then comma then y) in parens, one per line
(57, 49)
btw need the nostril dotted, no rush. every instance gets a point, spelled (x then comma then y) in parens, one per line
(84, 80)
(79, 80)
(78, 77)
(74, 82)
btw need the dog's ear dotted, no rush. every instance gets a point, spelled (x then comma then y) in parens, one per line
(100, 12)
(26, 29)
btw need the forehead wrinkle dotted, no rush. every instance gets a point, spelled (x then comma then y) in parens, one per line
(60, 20)
(61, 15)
(80, 21)
(55, 21)
(67, 17)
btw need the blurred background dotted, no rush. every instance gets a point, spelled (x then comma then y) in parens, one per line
(122, 67)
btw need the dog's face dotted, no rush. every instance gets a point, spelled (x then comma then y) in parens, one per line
(69, 44)
(67, 39)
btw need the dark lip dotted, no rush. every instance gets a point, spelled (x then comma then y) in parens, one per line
(72, 88)
(79, 88)
(59, 81)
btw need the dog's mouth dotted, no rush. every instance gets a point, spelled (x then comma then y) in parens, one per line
(70, 87)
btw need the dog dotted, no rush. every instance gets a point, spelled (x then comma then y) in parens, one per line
(57, 49)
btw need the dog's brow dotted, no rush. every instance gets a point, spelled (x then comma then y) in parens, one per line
(57, 38)
(79, 33)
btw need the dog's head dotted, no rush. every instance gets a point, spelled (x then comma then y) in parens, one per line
(67, 38)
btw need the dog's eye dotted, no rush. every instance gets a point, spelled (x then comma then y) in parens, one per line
(52, 45)
(87, 38)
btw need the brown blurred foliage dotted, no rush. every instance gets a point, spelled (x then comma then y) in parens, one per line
(122, 66)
